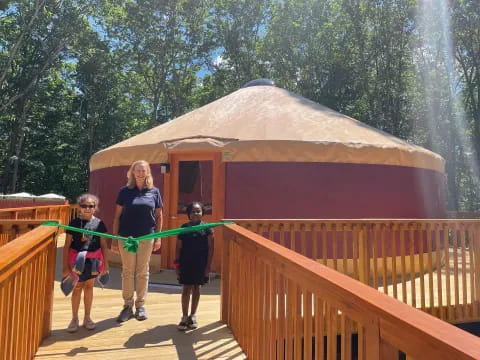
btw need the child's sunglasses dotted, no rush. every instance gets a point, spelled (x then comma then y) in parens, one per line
(83, 206)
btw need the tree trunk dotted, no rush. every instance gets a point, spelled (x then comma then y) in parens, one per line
(155, 110)
(19, 141)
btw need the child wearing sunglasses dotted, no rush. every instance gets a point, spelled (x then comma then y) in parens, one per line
(84, 258)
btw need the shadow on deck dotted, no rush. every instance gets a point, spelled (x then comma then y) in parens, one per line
(157, 336)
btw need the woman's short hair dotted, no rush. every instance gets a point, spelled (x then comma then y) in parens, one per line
(85, 197)
(131, 178)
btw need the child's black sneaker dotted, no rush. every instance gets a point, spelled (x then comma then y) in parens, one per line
(183, 325)
(192, 322)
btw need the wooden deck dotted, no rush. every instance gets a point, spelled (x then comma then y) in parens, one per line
(155, 337)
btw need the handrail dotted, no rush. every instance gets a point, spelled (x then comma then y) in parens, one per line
(11, 229)
(61, 212)
(431, 264)
(280, 304)
(27, 273)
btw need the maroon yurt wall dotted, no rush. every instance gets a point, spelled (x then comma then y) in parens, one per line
(332, 191)
(307, 190)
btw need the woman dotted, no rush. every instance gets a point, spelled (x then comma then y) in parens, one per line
(138, 212)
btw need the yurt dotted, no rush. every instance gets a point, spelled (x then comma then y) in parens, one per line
(263, 152)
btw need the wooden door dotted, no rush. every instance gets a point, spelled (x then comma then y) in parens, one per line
(193, 177)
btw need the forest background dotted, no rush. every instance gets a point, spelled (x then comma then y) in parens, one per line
(79, 75)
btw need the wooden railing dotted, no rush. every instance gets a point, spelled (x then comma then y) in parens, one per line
(429, 264)
(58, 212)
(17, 221)
(27, 272)
(281, 305)
(11, 229)
(73, 212)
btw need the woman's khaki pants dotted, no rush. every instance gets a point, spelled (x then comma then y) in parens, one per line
(135, 272)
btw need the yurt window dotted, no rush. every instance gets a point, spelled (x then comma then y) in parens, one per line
(195, 184)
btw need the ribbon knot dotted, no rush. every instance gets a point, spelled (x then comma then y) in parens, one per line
(131, 244)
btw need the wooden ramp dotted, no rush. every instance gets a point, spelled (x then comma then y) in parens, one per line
(156, 337)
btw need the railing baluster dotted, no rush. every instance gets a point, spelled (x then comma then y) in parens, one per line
(290, 318)
(331, 316)
(431, 297)
(324, 230)
(471, 273)
(403, 268)
(282, 321)
(474, 270)
(298, 322)
(345, 230)
(374, 237)
(334, 245)
(315, 241)
(421, 269)
(355, 251)
(384, 258)
(363, 258)
(463, 249)
(411, 234)
(438, 264)
(319, 328)
(273, 328)
(346, 338)
(303, 239)
(307, 324)
(393, 235)
(454, 312)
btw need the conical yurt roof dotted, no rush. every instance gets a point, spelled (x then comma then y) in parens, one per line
(267, 123)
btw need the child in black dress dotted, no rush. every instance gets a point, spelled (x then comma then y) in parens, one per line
(84, 258)
(194, 254)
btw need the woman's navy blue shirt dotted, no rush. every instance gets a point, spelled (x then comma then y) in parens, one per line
(138, 215)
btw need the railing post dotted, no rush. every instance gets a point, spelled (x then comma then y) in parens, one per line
(363, 261)
(49, 282)
(387, 351)
(225, 276)
(476, 262)
(373, 346)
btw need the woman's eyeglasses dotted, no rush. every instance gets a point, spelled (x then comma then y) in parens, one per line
(83, 206)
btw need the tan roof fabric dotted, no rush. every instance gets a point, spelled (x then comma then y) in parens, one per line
(265, 123)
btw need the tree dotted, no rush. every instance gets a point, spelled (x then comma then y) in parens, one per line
(163, 43)
(38, 34)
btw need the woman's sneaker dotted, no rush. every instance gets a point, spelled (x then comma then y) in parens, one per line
(192, 322)
(183, 325)
(126, 314)
(141, 313)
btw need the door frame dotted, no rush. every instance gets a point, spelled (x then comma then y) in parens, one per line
(170, 189)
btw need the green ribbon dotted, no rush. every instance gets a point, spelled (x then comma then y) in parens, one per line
(131, 243)
(83, 231)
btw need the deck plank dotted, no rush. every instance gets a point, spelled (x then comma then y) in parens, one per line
(157, 336)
